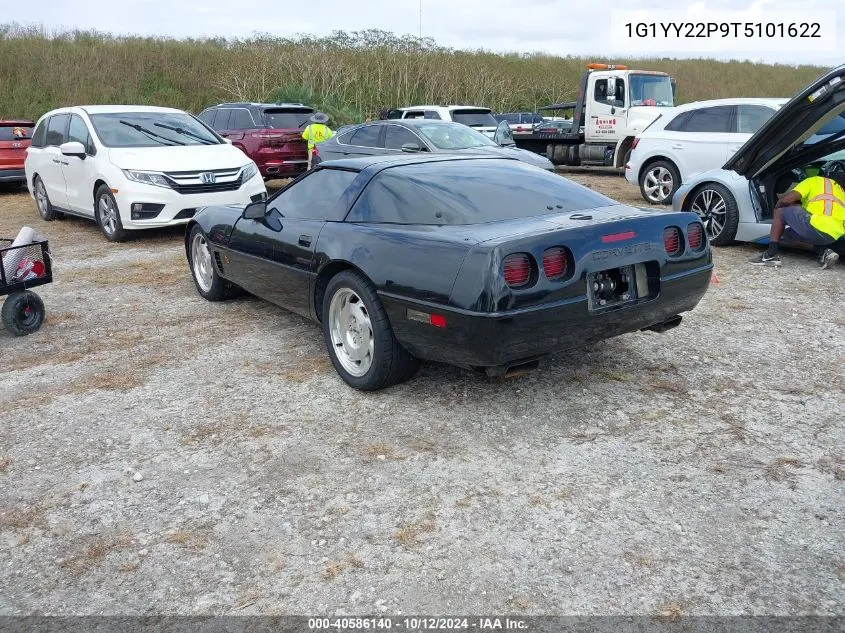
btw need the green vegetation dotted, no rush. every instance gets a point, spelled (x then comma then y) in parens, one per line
(348, 75)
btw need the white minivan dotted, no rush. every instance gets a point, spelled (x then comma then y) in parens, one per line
(134, 167)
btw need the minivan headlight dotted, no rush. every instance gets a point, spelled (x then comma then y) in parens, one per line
(147, 177)
(248, 171)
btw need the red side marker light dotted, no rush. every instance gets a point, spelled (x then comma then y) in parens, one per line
(617, 237)
(438, 320)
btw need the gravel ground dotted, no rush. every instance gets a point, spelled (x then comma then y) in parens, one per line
(162, 454)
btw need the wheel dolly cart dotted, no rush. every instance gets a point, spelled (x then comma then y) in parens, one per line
(21, 268)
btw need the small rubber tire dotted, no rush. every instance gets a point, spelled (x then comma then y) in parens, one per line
(728, 233)
(391, 363)
(48, 213)
(118, 234)
(673, 172)
(23, 313)
(218, 289)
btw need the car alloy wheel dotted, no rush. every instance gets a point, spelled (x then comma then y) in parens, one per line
(351, 332)
(201, 261)
(712, 209)
(108, 214)
(41, 199)
(658, 184)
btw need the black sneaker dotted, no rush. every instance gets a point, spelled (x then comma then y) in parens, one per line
(764, 259)
(829, 258)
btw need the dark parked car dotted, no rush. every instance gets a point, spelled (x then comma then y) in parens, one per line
(442, 258)
(393, 137)
(520, 122)
(269, 133)
(15, 137)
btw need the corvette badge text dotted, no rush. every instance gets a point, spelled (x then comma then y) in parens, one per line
(622, 251)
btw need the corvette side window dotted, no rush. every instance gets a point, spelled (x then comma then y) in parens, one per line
(315, 197)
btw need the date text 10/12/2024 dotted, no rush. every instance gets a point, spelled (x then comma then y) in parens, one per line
(417, 624)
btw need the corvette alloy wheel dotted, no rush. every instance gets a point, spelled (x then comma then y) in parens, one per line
(201, 261)
(351, 332)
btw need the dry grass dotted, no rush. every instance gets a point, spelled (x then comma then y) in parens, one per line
(95, 551)
(671, 611)
(614, 375)
(832, 465)
(782, 469)
(333, 570)
(304, 369)
(409, 535)
(22, 518)
(639, 558)
(665, 386)
(133, 565)
(348, 74)
(378, 450)
(193, 540)
(5, 462)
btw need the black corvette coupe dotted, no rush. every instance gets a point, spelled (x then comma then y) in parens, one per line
(480, 262)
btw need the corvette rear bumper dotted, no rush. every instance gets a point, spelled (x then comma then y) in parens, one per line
(503, 339)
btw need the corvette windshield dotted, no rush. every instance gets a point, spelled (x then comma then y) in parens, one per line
(454, 136)
(150, 129)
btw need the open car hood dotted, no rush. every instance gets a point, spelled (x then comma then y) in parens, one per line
(796, 121)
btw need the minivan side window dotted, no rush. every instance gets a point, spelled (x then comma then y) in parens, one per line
(56, 129)
(78, 131)
(40, 133)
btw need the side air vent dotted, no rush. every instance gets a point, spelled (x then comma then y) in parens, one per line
(219, 261)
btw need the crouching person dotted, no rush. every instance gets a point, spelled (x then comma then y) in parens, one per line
(810, 216)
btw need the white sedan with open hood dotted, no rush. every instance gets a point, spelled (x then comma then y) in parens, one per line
(134, 167)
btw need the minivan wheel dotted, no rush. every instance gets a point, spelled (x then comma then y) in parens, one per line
(108, 215)
(42, 201)
(659, 181)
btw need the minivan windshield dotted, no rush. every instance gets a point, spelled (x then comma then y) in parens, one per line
(287, 118)
(151, 129)
(454, 136)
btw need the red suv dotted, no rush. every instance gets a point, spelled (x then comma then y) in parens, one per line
(269, 133)
(15, 137)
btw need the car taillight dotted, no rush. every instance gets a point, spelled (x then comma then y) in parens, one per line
(554, 262)
(634, 142)
(517, 269)
(672, 240)
(695, 236)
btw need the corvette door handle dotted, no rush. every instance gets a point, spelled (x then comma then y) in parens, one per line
(56, 160)
(305, 240)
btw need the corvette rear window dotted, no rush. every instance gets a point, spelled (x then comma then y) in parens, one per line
(468, 192)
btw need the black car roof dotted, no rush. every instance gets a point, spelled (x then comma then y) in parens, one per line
(378, 163)
(249, 104)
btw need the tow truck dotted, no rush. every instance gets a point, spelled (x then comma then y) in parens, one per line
(614, 104)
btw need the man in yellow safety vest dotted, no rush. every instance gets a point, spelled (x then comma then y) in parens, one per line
(316, 132)
(810, 216)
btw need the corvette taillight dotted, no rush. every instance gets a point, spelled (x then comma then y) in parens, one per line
(516, 269)
(672, 241)
(695, 236)
(634, 142)
(554, 262)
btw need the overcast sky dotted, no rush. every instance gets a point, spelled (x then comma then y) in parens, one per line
(562, 27)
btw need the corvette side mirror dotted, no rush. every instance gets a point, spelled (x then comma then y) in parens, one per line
(411, 147)
(255, 210)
